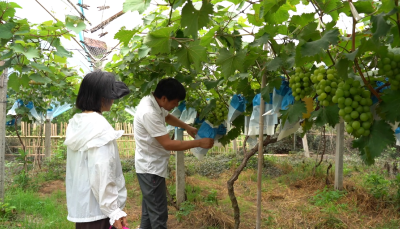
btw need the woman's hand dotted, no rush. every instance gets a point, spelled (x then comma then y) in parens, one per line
(118, 224)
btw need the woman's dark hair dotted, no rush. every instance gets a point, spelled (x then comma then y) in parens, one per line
(93, 90)
(170, 88)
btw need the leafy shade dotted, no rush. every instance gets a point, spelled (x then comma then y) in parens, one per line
(381, 136)
(326, 115)
(136, 5)
(294, 112)
(315, 47)
(390, 100)
(194, 19)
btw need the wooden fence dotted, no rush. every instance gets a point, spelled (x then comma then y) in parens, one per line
(32, 136)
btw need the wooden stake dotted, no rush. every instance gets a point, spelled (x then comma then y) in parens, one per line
(3, 110)
(260, 155)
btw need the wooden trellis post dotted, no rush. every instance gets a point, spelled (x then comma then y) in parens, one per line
(339, 155)
(260, 156)
(180, 171)
(3, 110)
(47, 138)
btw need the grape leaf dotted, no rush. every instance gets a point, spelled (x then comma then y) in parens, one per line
(390, 100)
(294, 112)
(40, 79)
(7, 55)
(380, 138)
(260, 41)
(303, 19)
(136, 5)
(274, 64)
(351, 56)
(207, 109)
(40, 67)
(30, 52)
(194, 19)
(379, 26)
(314, 47)
(5, 30)
(364, 7)
(230, 62)
(326, 115)
(143, 51)
(74, 23)
(257, 18)
(159, 41)
(207, 38)
(211, 84)
(61, 51)
(192, 53)
(16, 82)
(124, 35)
(342, 67)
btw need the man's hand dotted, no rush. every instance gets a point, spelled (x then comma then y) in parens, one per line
(206, 143)
(191, 131)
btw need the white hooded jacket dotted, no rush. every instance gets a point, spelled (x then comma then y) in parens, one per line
(95, 184)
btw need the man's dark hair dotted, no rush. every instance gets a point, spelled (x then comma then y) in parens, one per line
(93, 90)
(170, 88)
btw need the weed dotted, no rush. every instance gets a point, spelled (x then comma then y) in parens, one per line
(326, 196)
(7, 211)
(193, 193)
(377, 185)
(184, 210)
(331, 222)
(212, 197)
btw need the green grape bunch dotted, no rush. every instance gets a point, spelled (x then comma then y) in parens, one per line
(218, 115)
(300, 84)
(389, 66)
(326, 84)
(354, 103)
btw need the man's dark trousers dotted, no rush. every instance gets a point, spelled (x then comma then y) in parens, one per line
(154, 204)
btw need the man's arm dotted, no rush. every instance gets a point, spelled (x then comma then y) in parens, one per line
(174, 121)
(177, 145)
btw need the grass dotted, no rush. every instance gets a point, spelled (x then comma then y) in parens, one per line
(295, 197)
(35, 211)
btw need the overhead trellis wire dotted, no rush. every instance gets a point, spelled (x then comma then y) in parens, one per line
(81, 15)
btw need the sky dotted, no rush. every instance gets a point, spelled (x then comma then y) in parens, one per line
(32, 10)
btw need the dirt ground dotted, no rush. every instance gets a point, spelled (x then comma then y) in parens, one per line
(284, 205)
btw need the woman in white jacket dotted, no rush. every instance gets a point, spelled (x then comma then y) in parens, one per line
(95, 185)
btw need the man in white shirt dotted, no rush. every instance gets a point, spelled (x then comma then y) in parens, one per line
(153, 146)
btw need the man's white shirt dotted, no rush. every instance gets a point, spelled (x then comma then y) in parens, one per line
(149, 123)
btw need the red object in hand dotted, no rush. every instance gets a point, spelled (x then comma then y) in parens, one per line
(122, 227)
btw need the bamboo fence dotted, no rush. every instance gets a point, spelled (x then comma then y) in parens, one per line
(33, 137)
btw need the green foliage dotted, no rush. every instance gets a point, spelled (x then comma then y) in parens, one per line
(377, 185)
(326, 115)
(136, 5)
(184, 210)
(37, 58)
(7, 211)
(202, 48)
(294, 112)
(325, 196)
(380, 138)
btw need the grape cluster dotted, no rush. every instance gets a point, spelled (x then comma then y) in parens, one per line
(354, 103)
(300, 84)
(218, 115)
(389, 66)
(326, 81)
